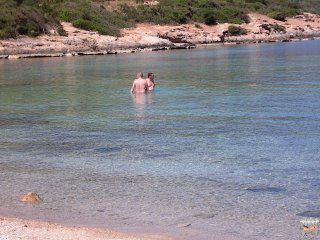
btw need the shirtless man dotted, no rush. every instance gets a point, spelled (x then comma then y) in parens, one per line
(150, 82)
(139, 84)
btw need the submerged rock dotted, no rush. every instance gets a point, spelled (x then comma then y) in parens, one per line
(267, 189)
(205, 215)
(108, 149)
(159, 155)
(310, 214)
(31, 197)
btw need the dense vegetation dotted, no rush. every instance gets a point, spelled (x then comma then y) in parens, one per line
(214, 11)
(34, 17)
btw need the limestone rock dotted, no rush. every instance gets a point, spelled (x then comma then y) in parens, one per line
(175, 37)
(30, 197)
(13, 57)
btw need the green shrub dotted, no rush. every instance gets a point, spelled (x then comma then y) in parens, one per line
(207, 4)
(312, 6)
(61, 31)
(33, 29)
(66, 15)
(23, 18)
(130, 12)
(7, 32)
(236, 31)
(280, 16)
(83, 24)
(180, 17)
(210, 18)
(257, 6)
(232, 15)
(279, 28)
(88, 16)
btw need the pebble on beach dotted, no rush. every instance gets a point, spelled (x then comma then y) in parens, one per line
(30, 197)
(183, 225)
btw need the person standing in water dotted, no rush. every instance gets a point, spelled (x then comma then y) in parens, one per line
(140, 85)
(150, 82)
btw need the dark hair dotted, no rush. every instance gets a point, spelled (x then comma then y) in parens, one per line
(150, 74)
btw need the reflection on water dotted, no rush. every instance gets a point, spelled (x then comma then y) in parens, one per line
(229, 144)
(140, 101)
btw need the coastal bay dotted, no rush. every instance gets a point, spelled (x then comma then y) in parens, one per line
(226, 147)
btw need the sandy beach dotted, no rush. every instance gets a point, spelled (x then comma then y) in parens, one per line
(14, 228)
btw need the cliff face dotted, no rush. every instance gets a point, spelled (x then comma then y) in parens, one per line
(157, 37)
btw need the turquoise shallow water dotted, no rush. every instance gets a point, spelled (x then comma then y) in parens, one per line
(229, 141)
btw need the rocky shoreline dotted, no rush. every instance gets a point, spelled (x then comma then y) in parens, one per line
(104, 52)
(150, 37)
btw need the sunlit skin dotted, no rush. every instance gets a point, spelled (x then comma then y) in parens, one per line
(139, 85)
(150, 82)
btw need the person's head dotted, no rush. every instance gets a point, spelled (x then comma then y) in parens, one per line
(139, 75)
(151, 76)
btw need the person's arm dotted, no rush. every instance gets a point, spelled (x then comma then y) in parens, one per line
(133, 86)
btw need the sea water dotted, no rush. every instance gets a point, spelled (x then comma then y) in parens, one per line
(226, 147)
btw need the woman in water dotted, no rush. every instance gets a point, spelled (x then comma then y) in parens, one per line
(150, 82)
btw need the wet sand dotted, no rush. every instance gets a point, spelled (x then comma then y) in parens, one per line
(14, 228)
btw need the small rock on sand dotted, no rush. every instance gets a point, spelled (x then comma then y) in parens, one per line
(182, 225)
(30, 197)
